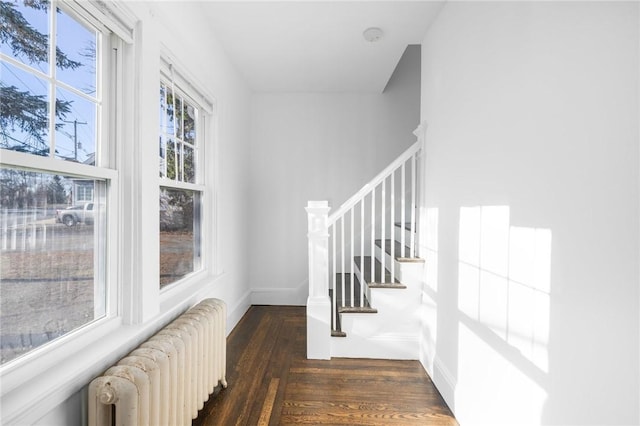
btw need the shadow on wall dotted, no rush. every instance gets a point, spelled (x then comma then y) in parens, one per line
(488, 336)
(504, 276)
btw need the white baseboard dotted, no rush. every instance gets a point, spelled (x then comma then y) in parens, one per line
(236, 312)
(281, 296)
(445, 382)
(389, 346)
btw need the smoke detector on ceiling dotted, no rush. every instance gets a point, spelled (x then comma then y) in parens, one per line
(372, 34)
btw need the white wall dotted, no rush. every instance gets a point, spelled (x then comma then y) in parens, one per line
(533, 197)
(195, 50)
(317, 146)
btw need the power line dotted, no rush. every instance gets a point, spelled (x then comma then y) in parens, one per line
(75, 136)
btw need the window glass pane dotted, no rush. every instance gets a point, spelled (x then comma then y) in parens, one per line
(163, 133)
(75, 54)
(179, 234)
(179, 115)
(163, 108)
(25, 29)
(189, 124)
(75, 128)
(168, 120)
(179, 165)
(24, 117)
(52, 257)
(189, 166)
(172, 158)
(163, 156)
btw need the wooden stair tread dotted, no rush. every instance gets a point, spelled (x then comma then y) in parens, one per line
(357, 310)
(406, 225)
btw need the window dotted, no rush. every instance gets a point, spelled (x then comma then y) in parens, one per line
(83, 191)
(181, 192)
(55, 180)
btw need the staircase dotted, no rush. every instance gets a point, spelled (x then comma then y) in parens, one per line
(365, 279)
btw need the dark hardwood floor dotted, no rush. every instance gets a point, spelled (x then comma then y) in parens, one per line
(270, 382)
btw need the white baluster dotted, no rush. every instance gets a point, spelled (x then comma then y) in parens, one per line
(335, 274)
(342, 255)
(362, 251)
(412, 247)
(373, 231)
(391, 226)
(383, 200)
(351, 260)
(403, 213)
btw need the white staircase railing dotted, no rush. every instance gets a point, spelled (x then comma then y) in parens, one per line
(349, 236)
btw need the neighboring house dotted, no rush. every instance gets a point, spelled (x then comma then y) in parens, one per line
(82, 191)
(531, 114)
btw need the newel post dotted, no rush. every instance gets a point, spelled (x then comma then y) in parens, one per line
(318, 303)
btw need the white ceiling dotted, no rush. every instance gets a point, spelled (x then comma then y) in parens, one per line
(317, 46)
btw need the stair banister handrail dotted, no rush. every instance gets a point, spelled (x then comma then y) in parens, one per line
(373, 183)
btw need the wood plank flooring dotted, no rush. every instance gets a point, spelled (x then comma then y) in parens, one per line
(270, 382)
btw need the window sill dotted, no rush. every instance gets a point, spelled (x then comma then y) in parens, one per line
(39, 375)
(32, 387)
(186, 292)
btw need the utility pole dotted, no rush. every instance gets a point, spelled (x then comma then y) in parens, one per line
(75, 136)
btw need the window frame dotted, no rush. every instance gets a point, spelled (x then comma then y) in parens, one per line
(173, 78)
(59, 371)
(37, 366)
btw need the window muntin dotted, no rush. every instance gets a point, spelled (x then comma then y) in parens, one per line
(178, 118)
(180, 192)
(53, 220)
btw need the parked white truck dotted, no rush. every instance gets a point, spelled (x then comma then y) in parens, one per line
(76, 214)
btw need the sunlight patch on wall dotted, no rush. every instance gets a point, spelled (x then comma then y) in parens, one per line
(529, 293)
(504, 275)
(504, 279)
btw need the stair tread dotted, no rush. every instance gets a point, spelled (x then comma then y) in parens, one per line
(357, 310)
(407, 225)
(376, 282)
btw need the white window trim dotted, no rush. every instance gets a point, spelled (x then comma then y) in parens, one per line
(31, 384)
(185, 85)
(51, 375)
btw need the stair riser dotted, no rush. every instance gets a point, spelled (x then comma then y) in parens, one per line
(393, 332)
(398, 231)
(387, 259)
(366, 290)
